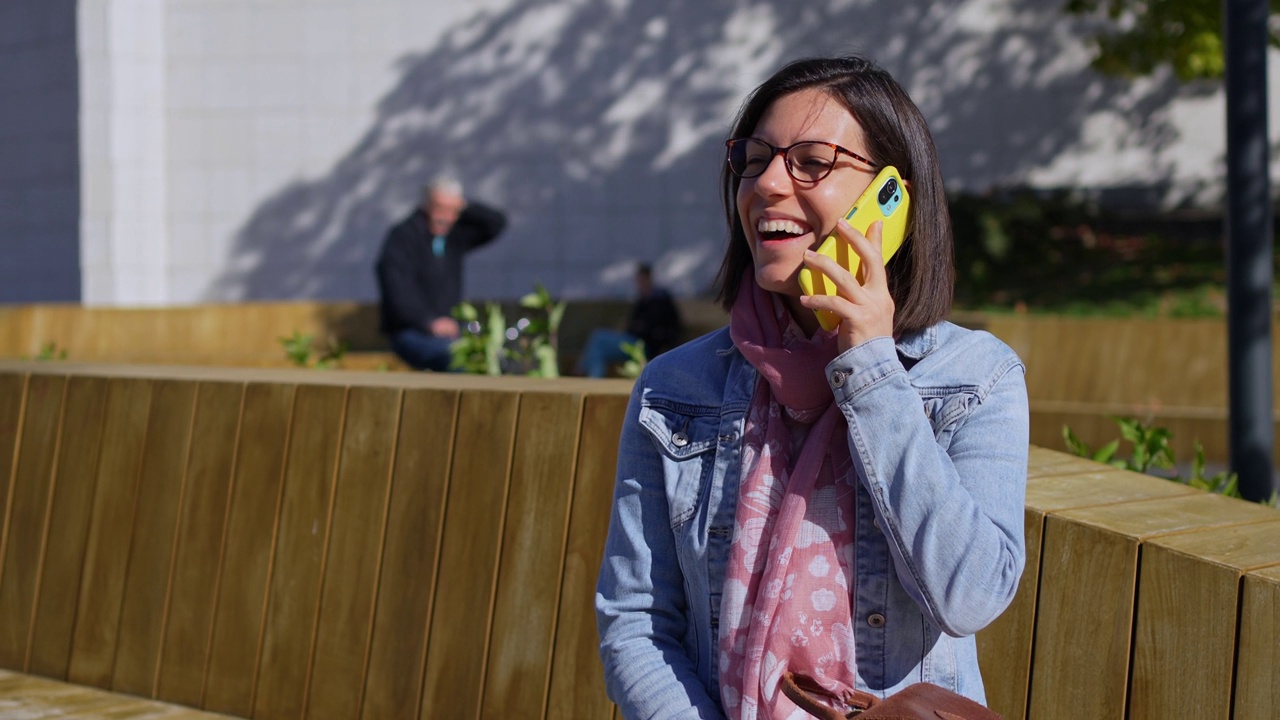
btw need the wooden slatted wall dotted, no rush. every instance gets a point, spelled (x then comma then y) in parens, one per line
(293, 544)
(1131, 587)
(296, 544)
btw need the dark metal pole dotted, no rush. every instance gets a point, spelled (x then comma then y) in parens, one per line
(1249, 247)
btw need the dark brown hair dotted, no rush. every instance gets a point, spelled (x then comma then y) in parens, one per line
(922, 273)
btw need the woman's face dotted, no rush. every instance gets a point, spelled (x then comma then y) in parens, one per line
(782, 217)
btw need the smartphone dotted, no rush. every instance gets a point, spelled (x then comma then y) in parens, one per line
(885, 199)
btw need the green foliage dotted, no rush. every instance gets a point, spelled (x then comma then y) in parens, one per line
(528, 347)
(1058, 252)
(302, 350)
(636, 359)
(1141, 35)
(539, 340)
(481, 348)
(1151, 450)
(50, 351)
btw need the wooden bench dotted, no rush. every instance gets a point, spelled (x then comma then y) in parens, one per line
(301, 544)
(249, 334)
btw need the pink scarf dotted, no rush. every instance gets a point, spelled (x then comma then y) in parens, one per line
(788, 586)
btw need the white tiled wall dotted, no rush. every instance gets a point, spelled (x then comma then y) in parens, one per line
(240, 149)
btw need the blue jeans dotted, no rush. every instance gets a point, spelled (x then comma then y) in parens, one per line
(604, 347)
(422, 351)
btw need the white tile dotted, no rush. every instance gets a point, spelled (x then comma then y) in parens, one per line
(281, 85)
(187, 245)
(184, 33)
(228, 192)
(185, 84)
(186, 139)
(325, 31)
(324, 84)
(229, 139)
(187, 196)
(228, 84)
(274, 30)
(227, 33)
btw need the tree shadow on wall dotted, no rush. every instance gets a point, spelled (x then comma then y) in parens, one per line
(599, 128)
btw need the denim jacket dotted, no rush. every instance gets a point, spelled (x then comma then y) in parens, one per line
(938, 507)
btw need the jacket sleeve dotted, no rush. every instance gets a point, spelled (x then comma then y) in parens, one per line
(404, 303)
(482, 224)
(948, 495)
(640, 594)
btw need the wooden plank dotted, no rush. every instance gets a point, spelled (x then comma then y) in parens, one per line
(106, 557)
(202, 520)
(355, 548)
(1110, 576)
(533, 549)
(160, 486)
(1042, 462)
(28, 696)
(1004, 646)
(1110, 536)
(577, 676)
(1056, 481)
(411, 557)
(461, 618)
(1049, 493)
(298, 564)
(1258, 666)
(73, 492)
(13, 393)
(1188, 595)
(28, 512)
(248, 542)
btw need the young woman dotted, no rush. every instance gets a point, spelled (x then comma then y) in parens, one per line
(845, 504)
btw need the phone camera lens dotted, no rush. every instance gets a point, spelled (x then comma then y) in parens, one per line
(889, 190)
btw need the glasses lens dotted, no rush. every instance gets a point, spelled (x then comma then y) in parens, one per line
(810, 161)
(749, 157)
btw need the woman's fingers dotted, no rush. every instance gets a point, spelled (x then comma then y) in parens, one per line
(863, 304)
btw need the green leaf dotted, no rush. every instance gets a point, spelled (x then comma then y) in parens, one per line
(1105, 453)
(1074, 444)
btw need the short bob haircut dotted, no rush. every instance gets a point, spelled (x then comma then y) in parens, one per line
(922, 273)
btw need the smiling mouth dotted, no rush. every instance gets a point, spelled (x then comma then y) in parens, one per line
(779, 229)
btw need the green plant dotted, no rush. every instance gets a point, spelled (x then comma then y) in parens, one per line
(530, 346)
(539, 341)
(50, 351)
(1151, 449)
(636, 359)
(480, 348)
(1141, 35)
(301, 350)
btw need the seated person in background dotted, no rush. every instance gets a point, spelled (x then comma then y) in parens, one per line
(654, 319)
(420, 272)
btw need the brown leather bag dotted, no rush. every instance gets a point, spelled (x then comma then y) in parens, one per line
(921, 701)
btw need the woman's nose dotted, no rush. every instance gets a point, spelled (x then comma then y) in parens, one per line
(775, 177)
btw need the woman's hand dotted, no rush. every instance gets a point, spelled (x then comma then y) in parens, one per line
(863, 304)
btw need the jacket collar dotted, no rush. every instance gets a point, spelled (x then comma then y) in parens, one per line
(917, 344)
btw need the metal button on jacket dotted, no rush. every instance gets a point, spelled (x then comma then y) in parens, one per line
(875, 620)
(680, 438)
(838, 377)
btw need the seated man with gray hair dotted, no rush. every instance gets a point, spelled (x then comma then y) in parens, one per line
(419, 271)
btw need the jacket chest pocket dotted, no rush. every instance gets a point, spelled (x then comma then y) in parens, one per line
(686, 438)
(947, 409)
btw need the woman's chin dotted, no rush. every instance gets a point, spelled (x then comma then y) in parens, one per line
(788, 284)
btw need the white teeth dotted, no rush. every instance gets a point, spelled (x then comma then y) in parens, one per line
(783, 226)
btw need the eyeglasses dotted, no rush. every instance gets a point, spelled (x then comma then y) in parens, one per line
(806, 162)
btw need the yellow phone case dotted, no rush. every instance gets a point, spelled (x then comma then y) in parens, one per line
(885, 199)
